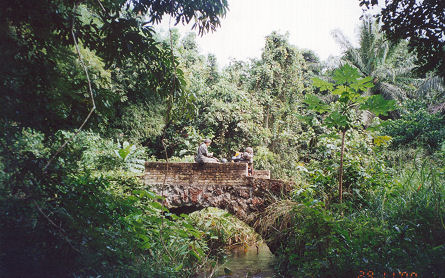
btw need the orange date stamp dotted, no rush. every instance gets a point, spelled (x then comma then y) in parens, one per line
(371, 274)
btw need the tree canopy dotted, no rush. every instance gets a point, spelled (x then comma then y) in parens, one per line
(422, 23)
(36, 47)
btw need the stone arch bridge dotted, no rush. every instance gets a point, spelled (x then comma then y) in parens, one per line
(191, 186)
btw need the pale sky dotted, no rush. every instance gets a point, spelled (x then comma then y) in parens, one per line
(309, 23)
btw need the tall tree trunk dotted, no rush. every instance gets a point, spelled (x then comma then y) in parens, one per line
(340, 171)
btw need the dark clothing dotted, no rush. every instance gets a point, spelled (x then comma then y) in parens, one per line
(203, 155)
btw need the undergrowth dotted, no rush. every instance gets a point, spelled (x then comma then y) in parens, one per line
(223, 229)
(75, 219)
(401, 229)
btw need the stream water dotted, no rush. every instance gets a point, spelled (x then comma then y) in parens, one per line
(252, 263)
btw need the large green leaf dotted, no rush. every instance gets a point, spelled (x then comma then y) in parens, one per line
(125, 151)
(337, 120)
(378, 105)
(362, 84)
(340, 90)
(346, 75)
(315, 103)
(322, 85)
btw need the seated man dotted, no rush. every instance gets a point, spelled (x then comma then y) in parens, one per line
(246, 157)
(203, 155)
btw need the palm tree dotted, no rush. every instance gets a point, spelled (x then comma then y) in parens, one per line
(389, 64)
(432, 91)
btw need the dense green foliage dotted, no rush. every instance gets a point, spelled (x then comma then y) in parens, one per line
(397, 228)
(421, 23)
(417, 127)
(84, 216)
(80, 211)
(43, 83)
(349, 88)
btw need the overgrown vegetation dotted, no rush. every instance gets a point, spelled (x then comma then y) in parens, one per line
(76, 219)
(81, 211)
(397, 227)
(224, 231)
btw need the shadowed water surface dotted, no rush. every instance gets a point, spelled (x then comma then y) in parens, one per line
(248, 263)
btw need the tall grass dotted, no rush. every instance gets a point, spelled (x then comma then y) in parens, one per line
(401, 229)
(419, 184)
(411, 210)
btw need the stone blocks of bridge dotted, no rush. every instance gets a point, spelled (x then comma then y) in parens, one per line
(225, 186)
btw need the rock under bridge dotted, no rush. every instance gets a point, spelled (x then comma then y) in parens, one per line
(191, 186)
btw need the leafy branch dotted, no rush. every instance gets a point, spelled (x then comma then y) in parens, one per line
(349, 87)
(89, 89)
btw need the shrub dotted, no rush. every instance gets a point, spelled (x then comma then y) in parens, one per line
(363, 165)
(400, 230)
(417, 127)
(224, 230)
(71, 221)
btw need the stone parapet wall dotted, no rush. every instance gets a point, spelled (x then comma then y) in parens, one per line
(275, 187)
(193, 173)
(263, 174)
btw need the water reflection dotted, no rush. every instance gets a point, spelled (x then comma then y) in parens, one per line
(252, 263)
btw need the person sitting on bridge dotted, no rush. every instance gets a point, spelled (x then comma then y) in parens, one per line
(246, 157)
(204, 156)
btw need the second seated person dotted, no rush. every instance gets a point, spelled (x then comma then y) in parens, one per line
(246, 157)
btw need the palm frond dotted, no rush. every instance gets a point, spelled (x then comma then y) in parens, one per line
(390, 64)
(401, 72)
(432, 90)
(433, 85)
(341, 39)
(390, 91)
